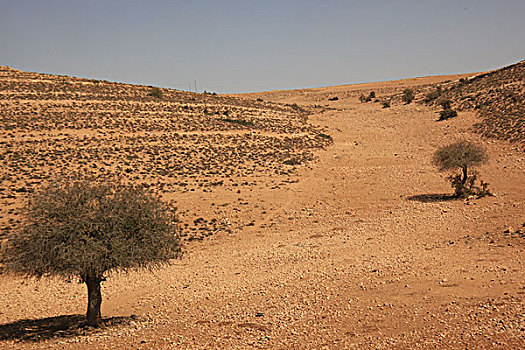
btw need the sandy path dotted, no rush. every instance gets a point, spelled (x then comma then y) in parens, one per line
(347, 260)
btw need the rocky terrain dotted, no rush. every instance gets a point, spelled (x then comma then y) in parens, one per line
(498, 97)
(57, 127)
(355, 246)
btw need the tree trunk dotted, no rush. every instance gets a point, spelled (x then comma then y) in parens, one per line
(94, 301)
(464, 179)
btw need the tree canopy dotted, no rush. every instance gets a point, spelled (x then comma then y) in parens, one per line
(87, 230)
(461, 154)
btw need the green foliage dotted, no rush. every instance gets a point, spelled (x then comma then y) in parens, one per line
(462, 155)
(408, 95)
(156, 92)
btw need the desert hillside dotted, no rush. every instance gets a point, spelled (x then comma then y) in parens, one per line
(55, 127)
(313, 220)
(498, 97)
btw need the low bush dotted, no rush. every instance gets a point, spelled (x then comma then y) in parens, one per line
(408, 95)
(156, 92)
(446, 114)
(433, 95)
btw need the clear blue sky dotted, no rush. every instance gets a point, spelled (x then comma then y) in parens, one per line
(248, 45)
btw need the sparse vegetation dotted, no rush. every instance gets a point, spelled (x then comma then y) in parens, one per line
(408, 95)
(386, 103)
(433, 95)
(447, 112)
(238, 121)
(87, 230)
(156, 92)
(368, 98)
(463, 155)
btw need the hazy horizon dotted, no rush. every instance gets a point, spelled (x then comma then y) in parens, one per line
(243, 46)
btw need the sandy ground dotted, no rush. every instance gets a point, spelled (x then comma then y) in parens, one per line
(356, 254)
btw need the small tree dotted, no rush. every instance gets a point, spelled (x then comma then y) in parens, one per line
(462, 155)
(408, 95)
(88, 230)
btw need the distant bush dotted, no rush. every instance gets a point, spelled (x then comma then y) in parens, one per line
(386, 103)
(446, 103)
(156, 92)
(368, 98)
(408, 95)
(294, 106)
(447, 112)
(207, 111)
(433, 95)
(292, 161)
(260, 99)
(238, 121)
(462, 155)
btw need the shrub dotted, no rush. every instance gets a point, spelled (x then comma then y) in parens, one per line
(88, 230)
(445, 103)
(386, 103)
(408, 95)
(447, 114)
(447, 111)
(238, 121)
(156, 92)
(433, 95)
(462, 155)
(368, 98)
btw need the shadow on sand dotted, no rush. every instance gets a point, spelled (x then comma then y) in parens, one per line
(432, 198)
(54, 327)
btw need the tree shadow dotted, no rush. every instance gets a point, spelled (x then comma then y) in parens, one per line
(35, 330)
(432, 198)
